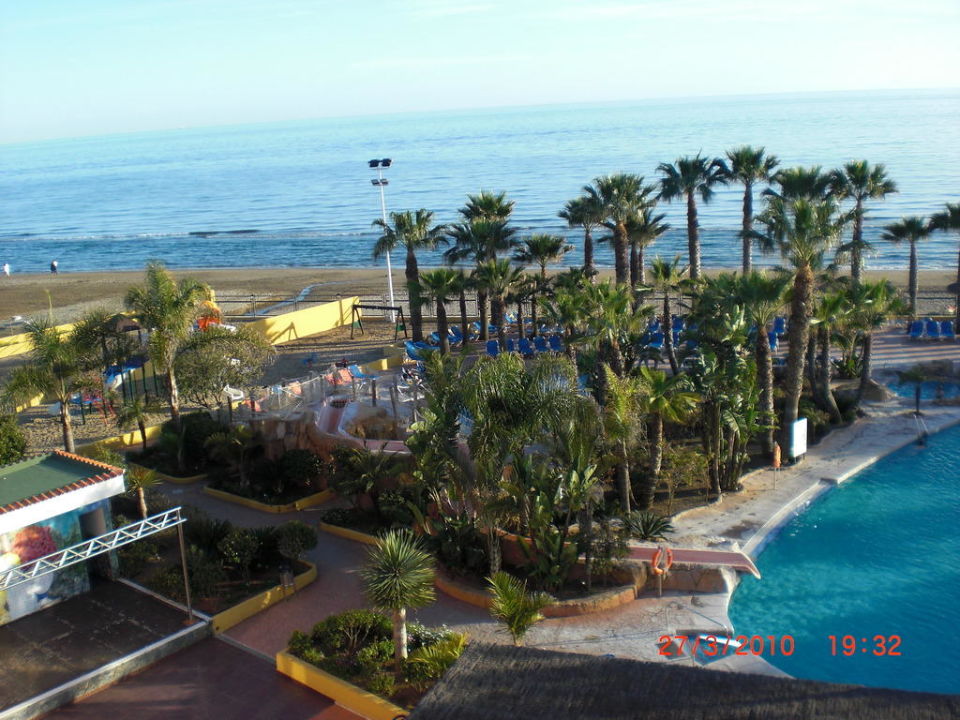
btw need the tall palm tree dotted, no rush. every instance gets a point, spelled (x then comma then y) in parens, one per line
(860, 182)
(803, 231)
(749, 166)
(642, 231)
(55, 370)
(763, 297)
(801, 183)
(411, 231)
(912, 229)
(944, 221)
(668, 278)
(621, 408)
(585, 211)
(870, 304)
(662, 399)
(608, 316)
(168, 309)
(831, 312)
(621, 197)
(487, 206)
(399, 575)
(497, 278)
(461, 285)
(541, 250)
(688, 177)
(440, 286)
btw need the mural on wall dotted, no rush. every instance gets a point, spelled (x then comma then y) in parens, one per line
(27, 544)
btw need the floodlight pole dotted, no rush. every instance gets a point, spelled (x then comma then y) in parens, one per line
(186, 576)
(383, 214)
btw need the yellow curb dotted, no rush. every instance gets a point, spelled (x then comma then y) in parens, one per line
(347, 533)
(245, 610)
(351, 697)
(309, 501)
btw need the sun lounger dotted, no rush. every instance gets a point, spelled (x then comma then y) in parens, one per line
(656, 341)
(413, 352)
(556, 344)
(780, 325)
(932, 331)
(493, 348)
(946, 330)
(434, 338)
(773, 339)
(525, 348)
(916, 330)
(678, 323)
(510, 345)
(540, 343)
(360, 374)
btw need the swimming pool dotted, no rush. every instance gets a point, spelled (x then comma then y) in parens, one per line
(929, 390)
(876, 556)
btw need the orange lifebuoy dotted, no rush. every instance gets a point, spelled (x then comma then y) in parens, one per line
(669, 562)
(655, 563)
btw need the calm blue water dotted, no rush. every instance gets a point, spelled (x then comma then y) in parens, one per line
(929, 390)
(879, 555)
(114, 202)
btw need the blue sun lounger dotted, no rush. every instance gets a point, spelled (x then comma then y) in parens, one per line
(946, 330)
(932, 330)
(556, 344)
(525, 348)
(540, 343)
(493, 348)
(916, 330)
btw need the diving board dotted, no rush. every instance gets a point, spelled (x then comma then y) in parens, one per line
(733, 559)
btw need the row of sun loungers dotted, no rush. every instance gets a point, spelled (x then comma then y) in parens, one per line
(526, 348)
(930, 329)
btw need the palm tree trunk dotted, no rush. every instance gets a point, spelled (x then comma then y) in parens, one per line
(620, 254)
(498, 318)
(520, 315)
(865, 366)
(634, 264)
(693, 237)
(822, 394)
(856, 247)
(142, 503)
(797, 334)
(914, 280)
(66, 424)
(174, 399)
(811, 364)
(588, 267)
(765, 376)
(649, 486)
(641, 269)
(142, 426)
(482, 307)
(463, 315)
(623, 475)
(747, 227)
(400, 636)
(668, 334)
(413, 293)
(442, 327)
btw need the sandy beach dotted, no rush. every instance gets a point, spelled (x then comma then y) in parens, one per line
(70, 294)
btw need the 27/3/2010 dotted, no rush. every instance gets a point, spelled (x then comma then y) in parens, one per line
(720, 645)
(878, 645)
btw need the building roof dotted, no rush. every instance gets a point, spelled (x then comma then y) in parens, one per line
(497, 682)
(44, 477)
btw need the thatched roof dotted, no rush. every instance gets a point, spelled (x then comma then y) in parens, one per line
(496, 682)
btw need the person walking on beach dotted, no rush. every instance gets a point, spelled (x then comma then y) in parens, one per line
(54, 268)
(6, 269)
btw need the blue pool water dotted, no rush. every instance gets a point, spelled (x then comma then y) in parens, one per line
(879, 555)
(929, 390)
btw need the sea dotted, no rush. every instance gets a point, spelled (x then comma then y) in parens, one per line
(299, 194)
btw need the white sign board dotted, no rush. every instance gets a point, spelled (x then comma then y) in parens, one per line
(798, 439)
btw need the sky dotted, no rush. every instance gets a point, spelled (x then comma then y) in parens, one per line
(72, 68)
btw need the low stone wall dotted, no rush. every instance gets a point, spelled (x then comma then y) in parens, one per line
(689, 578)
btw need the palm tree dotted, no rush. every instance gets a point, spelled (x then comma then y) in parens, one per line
(608, 314)
(749, 166)
(136, 412)
(944, 221)
(689, 177)
(541, 250)
(441, 286)
(800, 183)
(912, 229)
(763, 298)
(662, 399)
(621, 407)
(621, 196)
(487, 206)
(461, 285)
(55, 370)
(587, 212)
(668, 278)
(399, 575)
(804, 231)
(168, 309)
(642, 231)
(232, 447)
(139, 480)
(860, 182)
(411, 231)
(831, 312)
(870, 303)
(498, 277)
(516, 607)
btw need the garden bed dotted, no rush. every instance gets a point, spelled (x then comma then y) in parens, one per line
(306, 501)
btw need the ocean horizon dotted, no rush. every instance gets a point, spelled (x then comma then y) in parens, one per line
(298, 194)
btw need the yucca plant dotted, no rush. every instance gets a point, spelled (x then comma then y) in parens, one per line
(139, 480)
(399, 574)
(518, 609)
(647, 525)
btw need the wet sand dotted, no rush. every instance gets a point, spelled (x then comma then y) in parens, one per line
(70, 294)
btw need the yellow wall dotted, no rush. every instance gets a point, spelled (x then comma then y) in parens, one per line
(307, 322)
(20, 344)
(248, 608)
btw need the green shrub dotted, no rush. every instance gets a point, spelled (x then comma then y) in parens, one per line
(647, 525)
(206, 573)
(395, 509)
(299, 641)
(342, 517)
(349, 631)
(169, 583)
(419, 635)
(204, 531)
(431, 661)
(134, 557)
(302, 468)
(240, 548)
(382, 684)
(374, 657)
(13, 443)
(459, 545)
(294, 538)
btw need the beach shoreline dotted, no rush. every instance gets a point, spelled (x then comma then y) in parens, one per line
(69, 294)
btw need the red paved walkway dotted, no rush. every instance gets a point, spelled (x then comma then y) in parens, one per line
(208, 680)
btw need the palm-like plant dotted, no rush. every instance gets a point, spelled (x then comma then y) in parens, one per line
(516, 607)
(858, 181)
(763, 297)
(497, 278)
(642, 231)
(609, 316)
(55, 370)
(135, 413)
(411, 231)
(462, 283)
(487, 206)
(621, 418)
(622, 197)
(139, 480)
(168, 309)
(912, 229)
(749, 166)
(399, 575)
(830, 313)
(441, 286)
(232, 447)
(804, 231)
(686, 178)
(870, 304)
(668, 278)
(946, 220)
(662, 399)
(801, 183)
(586, 212)
(541, 250)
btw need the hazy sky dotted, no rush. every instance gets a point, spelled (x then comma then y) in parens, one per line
(89, 67)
